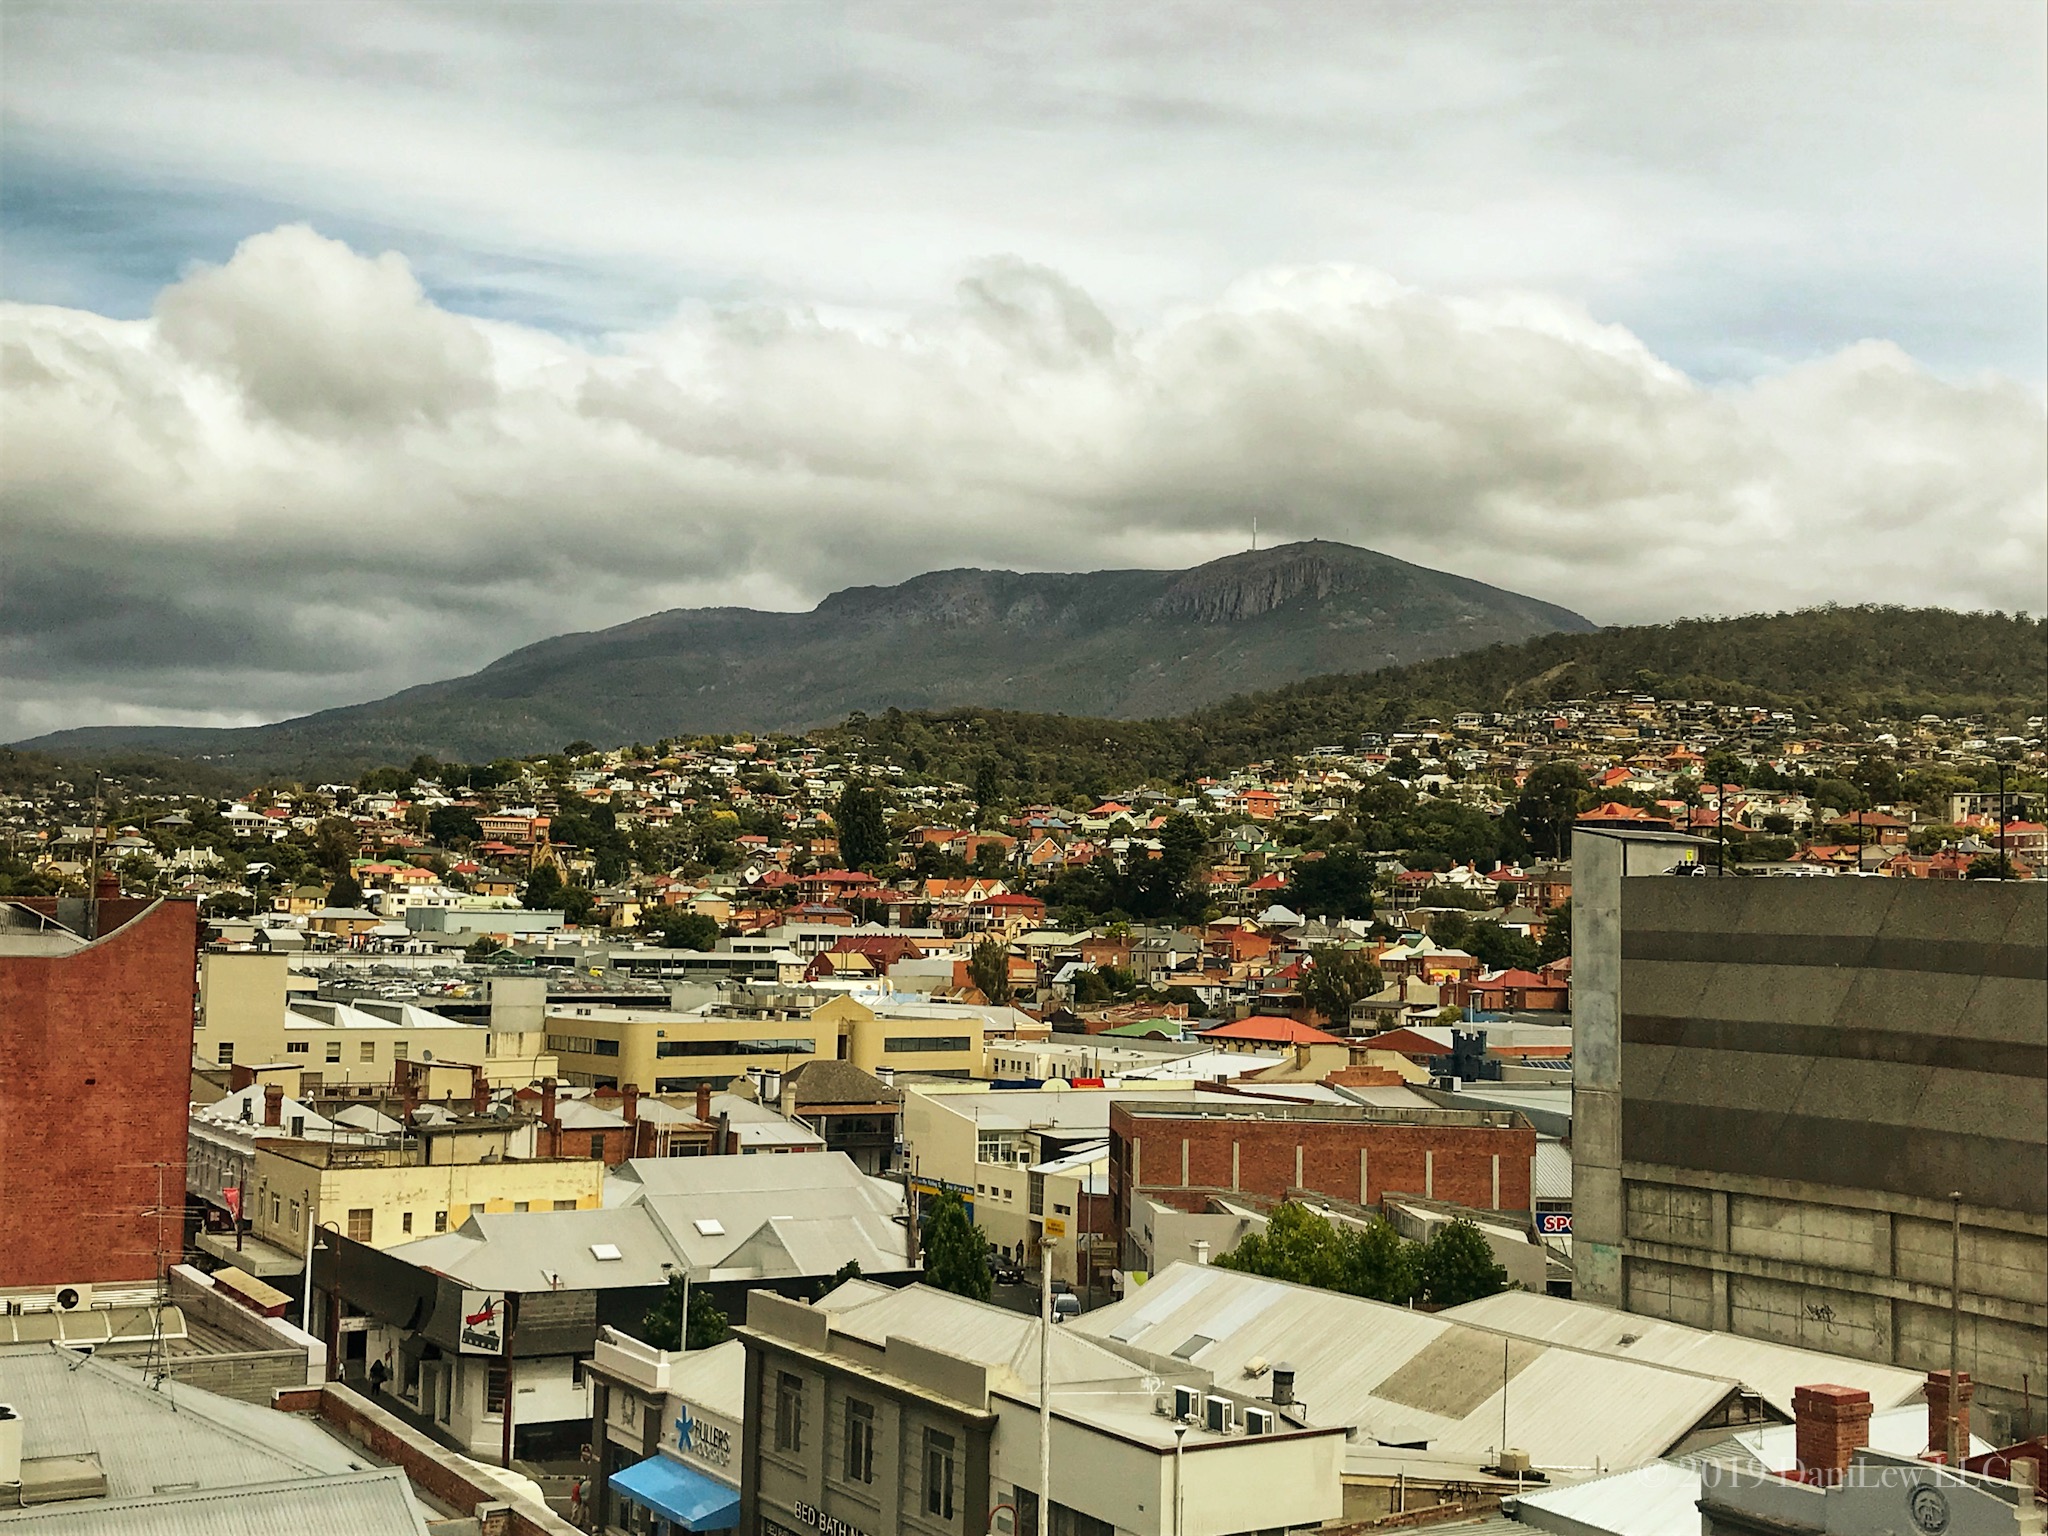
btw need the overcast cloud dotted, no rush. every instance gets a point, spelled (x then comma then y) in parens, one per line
(350, 347)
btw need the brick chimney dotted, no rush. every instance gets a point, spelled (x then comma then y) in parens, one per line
(1937, 1411)
(479, 1092)
(704, 1102)
(1831, 1424)
(273, 1104)
(631, 1107)
(547, 1104)
(107, 887)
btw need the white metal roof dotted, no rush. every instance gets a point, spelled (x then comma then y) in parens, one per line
(374, 1502)
(1406, 1378)
(1768, 1369)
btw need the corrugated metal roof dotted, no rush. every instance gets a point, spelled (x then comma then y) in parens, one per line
(1572, 1410)
(153, 1437)
(1655, 1500)
(976, 1331)
(377, 1502)
(1553, 1169)
(1768, 1369)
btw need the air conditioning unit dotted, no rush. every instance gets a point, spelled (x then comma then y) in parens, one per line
(1219, 1414)
(72, 1298)
(1258, 1421)
(1187, 1403)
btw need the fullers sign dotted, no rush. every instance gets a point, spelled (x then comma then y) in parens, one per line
(483, 1323)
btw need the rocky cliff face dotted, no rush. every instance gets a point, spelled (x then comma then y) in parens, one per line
(1247, 586)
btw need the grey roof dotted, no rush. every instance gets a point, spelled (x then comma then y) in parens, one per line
(770, 1217)
(838, 1082)
(146, 1437)
(1405, 1377)
(374, 1502)
(1553, 1169)
(1771, 1370)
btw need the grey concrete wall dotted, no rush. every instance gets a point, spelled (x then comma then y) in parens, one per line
(1807, 1069)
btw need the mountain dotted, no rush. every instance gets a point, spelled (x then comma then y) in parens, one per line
(1116, 644)
(1832, 664)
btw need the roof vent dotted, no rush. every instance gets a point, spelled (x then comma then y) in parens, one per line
(709, 1226)
(605, 1252)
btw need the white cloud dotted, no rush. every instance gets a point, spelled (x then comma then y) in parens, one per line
(302, 483)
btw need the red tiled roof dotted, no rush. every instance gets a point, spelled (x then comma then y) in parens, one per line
(1271, 1027)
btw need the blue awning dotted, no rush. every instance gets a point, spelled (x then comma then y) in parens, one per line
(683, 1494)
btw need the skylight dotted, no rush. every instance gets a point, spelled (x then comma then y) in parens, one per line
(709, 1226)
(605, 1252)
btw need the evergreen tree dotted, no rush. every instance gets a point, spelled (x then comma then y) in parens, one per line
(345, 892)
(956, 1250)
(1458, 1266)
(989, 969)
(1557, 935)
(863, 835)
(663, 1324)
(1337, 978)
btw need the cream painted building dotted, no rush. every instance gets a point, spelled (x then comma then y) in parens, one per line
(673, 1050)
(253, 1011)
(384, 1196)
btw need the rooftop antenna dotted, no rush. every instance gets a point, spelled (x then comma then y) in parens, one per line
(1255, 532)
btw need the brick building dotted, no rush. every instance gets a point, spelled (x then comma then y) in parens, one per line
(95, 1064)
(1182, 1152)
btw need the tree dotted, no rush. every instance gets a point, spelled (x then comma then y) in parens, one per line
(1380, 1263)
(1336, 979)
(863, 835)
(1458, 1266)
(1551, 799)
(484, 947)
(1339, 884)
(1557, 934)
(334, 844)
(544, 888)
(989, 969)
(663, 1324)
(345, 892)
(956, 1250)
(680, 928)
(1298, 1245)
(988, 788)
(448, 824)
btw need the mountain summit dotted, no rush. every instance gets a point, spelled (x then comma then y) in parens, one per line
(1121, 644)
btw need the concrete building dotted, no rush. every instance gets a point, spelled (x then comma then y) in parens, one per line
(1779, 1084)
(666, 1427)
(917, 1412)
(96, 1038)
(253, 1011)
(715, 1037)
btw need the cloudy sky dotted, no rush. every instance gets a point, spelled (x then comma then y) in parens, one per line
(345, 347)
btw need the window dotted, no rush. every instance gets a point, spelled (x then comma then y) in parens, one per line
(297, 1048)
(494, 1389)
(802, 1046)
(405, 1223)
(334, 1050)
(565, 1205)
(367, 1050)
(295, 1215)
(400, 1051)
(917, 1043)
(938, 1474)
(860, 1441)
(519, 1205)
(225, 1055)
(276, 1209)
(440, 1221)
(298, 1125)
(476, 1208)
(789, 1412)
(360, 1222)
(597, 1146)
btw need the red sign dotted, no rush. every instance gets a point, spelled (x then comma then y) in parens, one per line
(231, 1197)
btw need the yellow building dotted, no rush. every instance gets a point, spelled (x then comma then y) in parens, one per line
(255, 1012)
(384, 1196)
(670, 1050)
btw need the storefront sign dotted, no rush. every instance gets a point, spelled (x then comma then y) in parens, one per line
(828, 1525)
(1554, 1223)
(483, 1323)
(706, 1441)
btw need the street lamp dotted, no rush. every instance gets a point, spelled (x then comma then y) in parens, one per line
(334, 1371)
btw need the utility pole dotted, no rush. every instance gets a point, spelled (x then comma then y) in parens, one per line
(1045, 1387)
(1955, 1314)
(511, 1387)
(2004, 849)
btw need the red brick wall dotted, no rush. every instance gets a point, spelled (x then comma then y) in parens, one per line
(95, 1077)
(1397, 1160)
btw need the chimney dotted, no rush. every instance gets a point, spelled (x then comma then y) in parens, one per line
(408, 1091)
(273, 1104)
(1938, 1409)
(1830, 1425)
(1283, 1385)
(479, 1092)
(547, 1104)
(631, 1107)
(107, 888)
(704, 1102)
